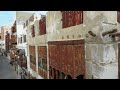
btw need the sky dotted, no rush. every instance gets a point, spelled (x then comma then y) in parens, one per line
(7, 17)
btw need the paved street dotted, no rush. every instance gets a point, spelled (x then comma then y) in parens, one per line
(6, 71)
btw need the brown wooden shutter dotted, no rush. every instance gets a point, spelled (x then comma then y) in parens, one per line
(73, 18)
(33, 31)
(44, 25)
(65, 25)
(63, 19)
(40, 26)
(81, 12)
(67, 18)
(118, 16)
(78, 18)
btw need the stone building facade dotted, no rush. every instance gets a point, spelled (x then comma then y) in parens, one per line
(101, 51)
(75, 45)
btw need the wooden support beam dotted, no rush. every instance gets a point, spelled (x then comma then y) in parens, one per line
(109, 32)
(92, 34)
(115, 34)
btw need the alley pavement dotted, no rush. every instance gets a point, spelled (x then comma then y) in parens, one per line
(6, 70)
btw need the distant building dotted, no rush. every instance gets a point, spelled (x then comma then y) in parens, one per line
(2, 38)
(5, 38)
(22, 23)
(13, 40)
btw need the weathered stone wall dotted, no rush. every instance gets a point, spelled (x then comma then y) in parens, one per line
(101, 53)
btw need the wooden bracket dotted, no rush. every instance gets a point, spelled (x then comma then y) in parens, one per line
(92, 34)
(109, 32)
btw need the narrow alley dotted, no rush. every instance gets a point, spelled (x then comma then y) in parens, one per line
(6, 71)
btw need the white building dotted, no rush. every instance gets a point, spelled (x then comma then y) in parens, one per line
(21, 29)
(23, 23)
(21, 18)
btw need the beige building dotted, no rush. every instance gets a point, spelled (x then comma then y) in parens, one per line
(26, 22)
(101, 51)
(74, 45)
(33, 35)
